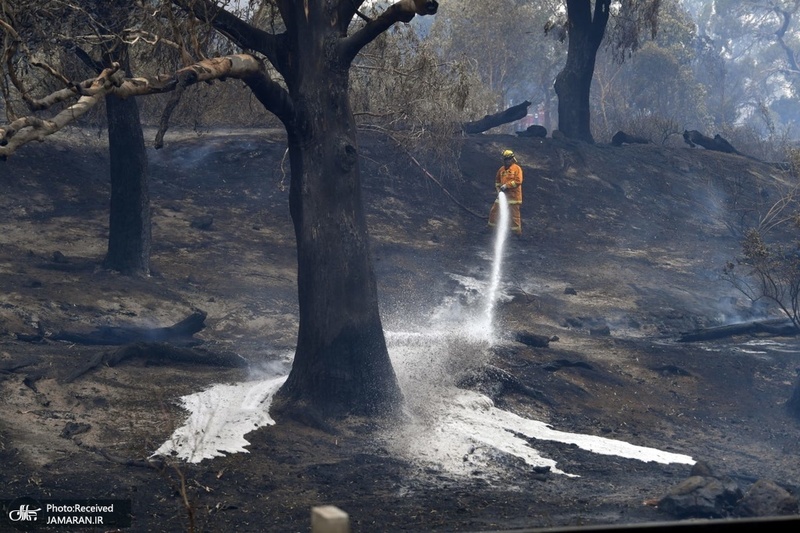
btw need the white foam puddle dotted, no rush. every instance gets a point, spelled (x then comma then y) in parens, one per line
(219, 419)
(461, 432)
(468, 433)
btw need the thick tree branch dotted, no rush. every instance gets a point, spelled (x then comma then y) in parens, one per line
(272, 95)
(26, 129)
(786, 17)
(112, 81)
(238, 31)
(402, 11)
(347, 10)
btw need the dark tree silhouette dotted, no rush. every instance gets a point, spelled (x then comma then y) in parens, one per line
(585, 29)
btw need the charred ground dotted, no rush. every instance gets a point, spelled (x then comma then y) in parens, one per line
(622, 251)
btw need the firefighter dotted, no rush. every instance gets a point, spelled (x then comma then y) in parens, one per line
(509, 181)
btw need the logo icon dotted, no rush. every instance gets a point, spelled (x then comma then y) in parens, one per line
(23, 513)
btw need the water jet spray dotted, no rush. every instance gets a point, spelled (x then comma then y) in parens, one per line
(501, 233)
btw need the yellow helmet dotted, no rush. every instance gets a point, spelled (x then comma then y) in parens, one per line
(507, 154)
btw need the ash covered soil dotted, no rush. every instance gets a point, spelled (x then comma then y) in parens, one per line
(622, 251)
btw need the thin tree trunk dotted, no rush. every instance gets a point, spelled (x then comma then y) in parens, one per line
(129, 219)
(573, 84)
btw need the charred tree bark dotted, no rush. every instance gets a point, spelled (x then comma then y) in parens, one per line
(129, 232)
(488, 122)
(341, 362)
(573, 84)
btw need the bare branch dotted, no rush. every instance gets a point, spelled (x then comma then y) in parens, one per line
(402, 11)
(112, 81)
(27, 129)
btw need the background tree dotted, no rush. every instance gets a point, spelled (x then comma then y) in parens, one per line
(404, 89)
(586, 24)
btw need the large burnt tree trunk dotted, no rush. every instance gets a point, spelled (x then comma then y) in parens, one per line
(573, 84)
(129, 229)
(341, 363)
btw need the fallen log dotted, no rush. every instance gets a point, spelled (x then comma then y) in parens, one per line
(717, 144)
(488, 122)
(779, 327)
(179, 333)
(161, 354)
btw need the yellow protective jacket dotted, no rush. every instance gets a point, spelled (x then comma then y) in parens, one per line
(511, 177)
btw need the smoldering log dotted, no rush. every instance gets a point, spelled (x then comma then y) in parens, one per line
(769, 327)
(159, 354)
(179, 333)
(162, 353)
(488, 122)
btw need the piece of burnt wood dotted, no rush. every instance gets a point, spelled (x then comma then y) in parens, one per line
(534, 340)
(769, 327)
(718, 143)
(159, 354)
(621, 138)
(533, 131)
(488, 122)
(163, 353)
(179, 333)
